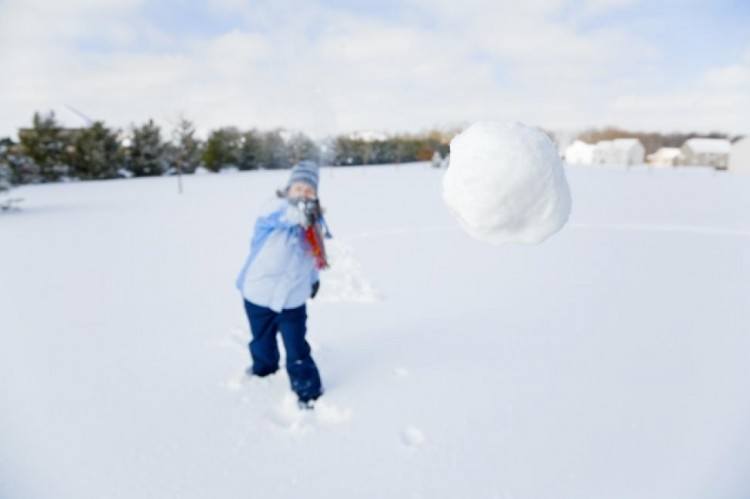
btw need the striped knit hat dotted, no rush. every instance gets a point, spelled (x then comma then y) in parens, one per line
(305, 171)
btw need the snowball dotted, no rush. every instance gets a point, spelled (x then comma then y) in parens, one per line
(412, 437)
(506, 183)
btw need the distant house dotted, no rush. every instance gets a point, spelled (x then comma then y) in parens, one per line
(629, 151)
(619, 152)
(665, 156)
(603, 153)
(739, 156)
(706, 152)
(580, 153)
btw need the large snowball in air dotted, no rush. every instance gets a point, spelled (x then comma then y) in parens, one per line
(506, 183)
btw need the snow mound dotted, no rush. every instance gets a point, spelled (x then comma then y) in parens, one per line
(345, 281)
(506, 183)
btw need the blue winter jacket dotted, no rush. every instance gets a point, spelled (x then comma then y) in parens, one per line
(279, 271)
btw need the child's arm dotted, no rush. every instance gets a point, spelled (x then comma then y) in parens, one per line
(266, 224)
(284, 217)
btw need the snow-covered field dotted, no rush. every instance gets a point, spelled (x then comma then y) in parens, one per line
(609, 362)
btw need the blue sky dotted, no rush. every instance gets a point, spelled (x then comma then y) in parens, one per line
(692, 35)
(335, 66)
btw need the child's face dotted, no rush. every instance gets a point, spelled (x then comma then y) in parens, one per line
(301, 190)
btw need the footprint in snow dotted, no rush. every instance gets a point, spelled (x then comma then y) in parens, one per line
(330, 414)
(235, 383)
(246, 379)
(288, 416)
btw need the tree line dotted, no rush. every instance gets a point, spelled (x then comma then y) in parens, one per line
(47, 151)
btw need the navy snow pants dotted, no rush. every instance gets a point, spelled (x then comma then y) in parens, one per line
(264, 350)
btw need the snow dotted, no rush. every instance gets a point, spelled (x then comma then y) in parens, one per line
(610, 361)
(708, 146)
(506, 183)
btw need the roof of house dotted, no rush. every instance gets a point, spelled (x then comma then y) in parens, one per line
(711, 146)
(579, 144)
(627, 142)
(618, 144)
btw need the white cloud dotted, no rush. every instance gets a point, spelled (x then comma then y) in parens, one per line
(717, 100)
(42, 23)
(593, 7)
(307, 66)
(736, 76)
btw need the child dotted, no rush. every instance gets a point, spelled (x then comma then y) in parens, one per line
(279, 275)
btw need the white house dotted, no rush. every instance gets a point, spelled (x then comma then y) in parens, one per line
(665, 156)
(706, 152)
(739, 156)
(580, 153)
(619, 152)
(629, 151)
(603, 153)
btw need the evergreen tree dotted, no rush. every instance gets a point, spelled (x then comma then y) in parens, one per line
(6, 183)
(23, 168)
(301, 147)
(5, 178)
(5, 168)
(348, 151)
(48, 146)
(384, 151)
(251, 150)
(146, 155)
(185, 153)
(222, 149)
(274, 153)
(327, 148)
(97, 153)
